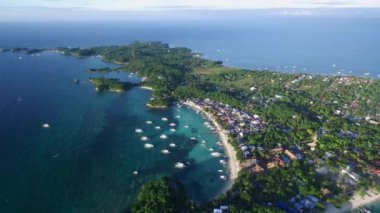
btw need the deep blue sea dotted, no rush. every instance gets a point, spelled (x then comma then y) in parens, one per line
(290, 44)
(85, 161)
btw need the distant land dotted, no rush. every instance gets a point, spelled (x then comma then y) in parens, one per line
(302, 141)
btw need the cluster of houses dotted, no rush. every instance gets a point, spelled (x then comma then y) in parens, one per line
(299, 204)
(304, 204)
(279, 157)
(238, 122)
(345, 80)
(373, 168)
(301, 78)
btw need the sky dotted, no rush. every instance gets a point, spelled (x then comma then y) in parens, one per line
(26, 10)
(184, 4)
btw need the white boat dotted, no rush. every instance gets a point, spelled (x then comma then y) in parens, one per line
(148, 146)
(178, 116)
(164, 119)
(46, 125)
(172, 145)
(172, 130)
(165, 151)
(179, 165)
(135, 172)
(148, 122)
(186, 126)
(144, 138)
(139, 131)
(367, 73)
(157, 127)
(203, 141)
(193, 138)
(219, 143)
(216, 154)
(223, 177)
(206, 123)
(220, 171)
(211, 149)
(173, 124)
(203, 145)
(222, 162)
(163, 137)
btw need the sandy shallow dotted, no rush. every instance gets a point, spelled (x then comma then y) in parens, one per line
(233, 163)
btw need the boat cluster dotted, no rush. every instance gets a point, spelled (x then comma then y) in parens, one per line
(165, 151)
(172, 126)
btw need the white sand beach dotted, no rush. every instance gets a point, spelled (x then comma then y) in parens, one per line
(147, 88)
(355, 202)
(233, 163)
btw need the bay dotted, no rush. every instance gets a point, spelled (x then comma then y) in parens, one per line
(85, 161)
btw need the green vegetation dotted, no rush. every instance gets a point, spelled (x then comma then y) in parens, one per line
(166, 195)
(299, 109)
(110, 84)
(101, 70)
(25, 50)
(163, 195)
(162, 67)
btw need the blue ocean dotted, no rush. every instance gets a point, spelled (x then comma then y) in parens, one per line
(85, 161)
(346, 46)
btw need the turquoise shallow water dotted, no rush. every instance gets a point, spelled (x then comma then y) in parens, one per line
(85, 161)
(375, 207)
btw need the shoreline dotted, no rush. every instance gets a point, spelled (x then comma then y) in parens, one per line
(233, 163)
(147, 88)
(355, 202)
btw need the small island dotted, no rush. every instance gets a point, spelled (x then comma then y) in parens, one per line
(101, 70)
(111, 84)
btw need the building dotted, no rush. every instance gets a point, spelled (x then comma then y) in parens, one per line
(277, 150)
(257, 169)
(292, 156)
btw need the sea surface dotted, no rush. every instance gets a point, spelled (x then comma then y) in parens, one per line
(375, 207)
(85, 161)
(345, 46)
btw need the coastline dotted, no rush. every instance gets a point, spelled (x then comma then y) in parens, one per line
(147, 88)
(233, 163)
(355, 202)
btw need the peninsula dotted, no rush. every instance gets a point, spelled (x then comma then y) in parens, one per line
(300, 141)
